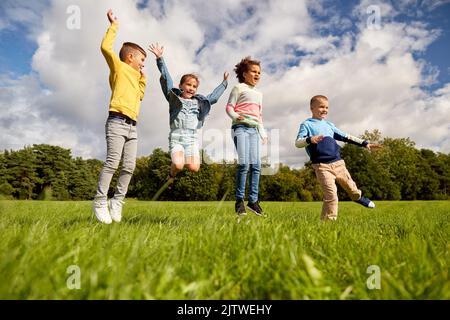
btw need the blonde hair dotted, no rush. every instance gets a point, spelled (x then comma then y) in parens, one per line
(317, 99)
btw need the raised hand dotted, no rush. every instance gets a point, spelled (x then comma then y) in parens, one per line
(111, 17)
(156, 50)
(225, 75)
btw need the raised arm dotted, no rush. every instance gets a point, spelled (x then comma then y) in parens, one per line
(108, 41)
(345, 137)
(165, 79)
(217, 92)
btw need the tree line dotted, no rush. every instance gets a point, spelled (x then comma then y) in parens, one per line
(399, 171)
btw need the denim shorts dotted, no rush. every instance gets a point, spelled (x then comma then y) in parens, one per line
(184, 140)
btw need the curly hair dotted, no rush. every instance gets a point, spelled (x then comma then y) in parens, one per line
(244, 66)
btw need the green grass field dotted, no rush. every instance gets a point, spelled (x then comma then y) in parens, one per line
(197, 250)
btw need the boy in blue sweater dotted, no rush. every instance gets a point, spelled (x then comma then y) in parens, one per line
(319, 137)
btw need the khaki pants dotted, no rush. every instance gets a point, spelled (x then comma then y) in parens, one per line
(328, 174)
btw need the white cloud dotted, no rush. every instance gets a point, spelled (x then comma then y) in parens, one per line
(372, 77)
(23, 123)
(19, 15)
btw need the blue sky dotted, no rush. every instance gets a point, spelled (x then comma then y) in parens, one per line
(438, 52)
(15, 58)
(395, 79)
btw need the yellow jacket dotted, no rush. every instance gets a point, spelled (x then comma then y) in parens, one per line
(127, 84)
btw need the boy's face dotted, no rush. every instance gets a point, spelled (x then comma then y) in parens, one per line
(320, 109)
(252, 75)
(188, 88)
(136, 60)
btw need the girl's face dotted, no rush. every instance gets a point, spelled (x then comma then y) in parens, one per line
(189, 88)
(252, 75)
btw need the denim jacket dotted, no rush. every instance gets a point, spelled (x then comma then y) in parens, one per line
(172, 95)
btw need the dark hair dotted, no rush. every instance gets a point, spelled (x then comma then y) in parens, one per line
(244, 66)
(187, 76)
(129, 47)
(316, 99)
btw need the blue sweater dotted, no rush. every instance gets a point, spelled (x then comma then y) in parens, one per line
(327, 150)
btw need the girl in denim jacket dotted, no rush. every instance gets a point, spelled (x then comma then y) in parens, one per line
(187, 111)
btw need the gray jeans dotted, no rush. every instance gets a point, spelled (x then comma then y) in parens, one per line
(121, 143)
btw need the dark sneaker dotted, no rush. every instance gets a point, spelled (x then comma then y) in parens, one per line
(256, 208)
(366, 202)
(239, 207)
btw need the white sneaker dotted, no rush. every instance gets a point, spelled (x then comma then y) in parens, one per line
(115, 209)
(101, 212)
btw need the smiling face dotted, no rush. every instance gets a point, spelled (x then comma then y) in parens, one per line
(252, 75)
(136, 60)
(189, 88)
(320, 109)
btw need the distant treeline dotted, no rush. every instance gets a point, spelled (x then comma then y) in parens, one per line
(399, 171)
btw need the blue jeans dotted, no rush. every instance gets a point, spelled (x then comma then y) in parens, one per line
(247, 143)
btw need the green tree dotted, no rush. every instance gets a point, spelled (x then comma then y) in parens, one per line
(400, 156)
(442, 168)
(282, 186)
(310, 190)
(150, 175)
(21, 172)
(54, 168)
(83, 179)
(428, 179)
(370, 175)
(199, 186)
(226, 174)
(6, 190)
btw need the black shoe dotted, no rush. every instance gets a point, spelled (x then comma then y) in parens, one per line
(239, 207)
(256, 208)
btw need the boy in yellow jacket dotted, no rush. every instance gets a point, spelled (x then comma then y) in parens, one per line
(127, 83)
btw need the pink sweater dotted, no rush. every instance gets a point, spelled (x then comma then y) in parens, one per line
(246, 101)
